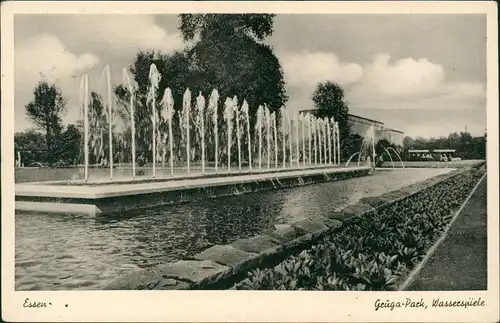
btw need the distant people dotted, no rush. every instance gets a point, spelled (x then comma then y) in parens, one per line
(141, 161)
(380, 161)
(104, 162)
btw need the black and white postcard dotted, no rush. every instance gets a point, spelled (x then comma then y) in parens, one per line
(250, 161)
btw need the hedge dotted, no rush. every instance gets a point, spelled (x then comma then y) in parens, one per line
(373, 252)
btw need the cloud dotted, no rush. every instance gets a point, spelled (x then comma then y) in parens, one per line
(46, 56)
(412, 83)
(124, 33)
(306, 69)
(404, 77)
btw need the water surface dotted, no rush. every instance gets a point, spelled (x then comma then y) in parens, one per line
(65, 252)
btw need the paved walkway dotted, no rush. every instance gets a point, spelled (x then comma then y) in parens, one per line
(459, 263)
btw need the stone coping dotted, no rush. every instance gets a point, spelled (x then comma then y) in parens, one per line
(127, 189)
(195, 174)
(221, 266)
(117, 199)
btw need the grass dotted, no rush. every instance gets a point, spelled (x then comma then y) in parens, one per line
(460, 262)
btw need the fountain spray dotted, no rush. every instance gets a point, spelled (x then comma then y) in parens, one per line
(273, 118)
(302, 122)
(289, 136)
(238, 136)
(297, 126)
(390, 157)
(320, 140)
(282, 112)
(373, 144)
(397, 154)
(268, 135)
(84, 89)
(315, 138)
(186, 105)
(309, 129)
(213, 107)
(228, 116)
(200, 106)
(259, 126)
(154, 78)
(126, 79)
(244, 108)
(110, 113)
(325, 152)
(329, 141)
(332, 121)
(170, 113)
(338, 141)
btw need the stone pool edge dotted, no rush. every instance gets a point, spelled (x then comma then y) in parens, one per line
(221, 266)
(128, 198)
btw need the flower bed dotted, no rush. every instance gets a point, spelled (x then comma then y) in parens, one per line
(375, 251)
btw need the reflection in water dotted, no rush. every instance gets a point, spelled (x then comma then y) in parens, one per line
(55, 252)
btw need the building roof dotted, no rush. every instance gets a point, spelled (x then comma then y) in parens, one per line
(363, 118)
(359, 117)
(392, 130)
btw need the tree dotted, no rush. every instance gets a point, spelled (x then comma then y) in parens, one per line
(225, 52)
(258, 26)
(329, 101)
(466, 146)
(351, 145)
(229, 55)
(30, 144)
(67, 146)
(407, 143)
(45, 111)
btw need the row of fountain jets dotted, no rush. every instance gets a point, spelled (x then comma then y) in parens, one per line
(322, 134)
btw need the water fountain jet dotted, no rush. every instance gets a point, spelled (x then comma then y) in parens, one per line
(169, 102)
(390, 157)
(268, 135)
(154, 78)
(283, 132)
(238, 138)
(244, 108)
(273, 118)
(258, 124)
(329, 141)
(200, 106)
(289, 136)
(213, 107)
(186, 107)
(228, 117)
(297, 126)
(126, 79)
(309, 129)
(397, 154)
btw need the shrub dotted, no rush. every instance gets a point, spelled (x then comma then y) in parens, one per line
(373, 251)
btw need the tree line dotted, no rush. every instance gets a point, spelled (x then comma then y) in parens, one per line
(465, 145)
(223, 52)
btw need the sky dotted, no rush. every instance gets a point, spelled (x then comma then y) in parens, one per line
(424, 75)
